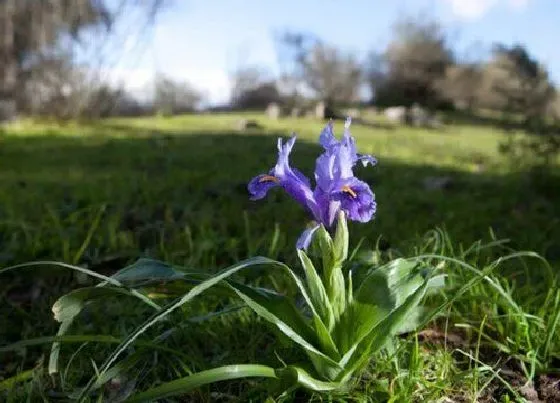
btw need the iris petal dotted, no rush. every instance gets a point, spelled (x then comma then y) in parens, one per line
(324, 171)
(326, 138)
(356, 199)
(260, 185)
(282, 165)
(366, 159)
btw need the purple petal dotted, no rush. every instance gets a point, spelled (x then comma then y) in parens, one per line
(299, 190)
(282, 165)
(327, 207)
(324, 171)
(260, 185)
(333, 165)
(366, 159)
(327, 139)
(332, 211)
(356, 199)
(351, 143)
(306, 236)
(345, 158)
(347, 138)
(301, 177)
(292, 180)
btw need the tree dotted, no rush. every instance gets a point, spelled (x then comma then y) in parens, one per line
(410, 67)
(521, 88)
(252, 88)
(518, 84)
(461, 85)
(172, 97)
(333, 76)
(323, 70)
(291, 49)
(35, 34)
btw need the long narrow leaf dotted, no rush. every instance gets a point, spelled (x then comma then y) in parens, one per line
(94, 338)
(183, 385)
(195, 291)
(301, 377)
(377, 338)
(324, 363)
(317, 291)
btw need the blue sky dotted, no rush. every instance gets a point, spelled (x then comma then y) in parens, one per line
(203, 40)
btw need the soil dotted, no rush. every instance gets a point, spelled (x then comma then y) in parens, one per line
(545, 388)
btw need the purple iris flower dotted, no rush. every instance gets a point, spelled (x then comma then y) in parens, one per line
(337, 189)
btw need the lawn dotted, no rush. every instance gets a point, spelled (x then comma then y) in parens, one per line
(100, 195)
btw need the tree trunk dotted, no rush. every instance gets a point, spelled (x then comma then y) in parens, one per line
(8, 63)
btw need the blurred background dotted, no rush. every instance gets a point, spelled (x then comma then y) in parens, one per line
(130, 128)
(111, 58)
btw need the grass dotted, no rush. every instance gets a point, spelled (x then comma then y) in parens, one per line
(101, 195)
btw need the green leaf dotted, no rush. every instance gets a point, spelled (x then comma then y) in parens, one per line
(400, 276)
(195, 291)
(278, 306)
(328, 369)
(341, 240)
(325, 339)
(67, 307)
(326, 247)
(333, 278)
(381, 291)
(360, 352)
(146, 270)
(296, 375)
(194, 381)
(319, 297)
(355, 323)
(55, 349)
(281, 313)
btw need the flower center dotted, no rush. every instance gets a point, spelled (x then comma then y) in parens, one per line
(348, 189)
(269, 178)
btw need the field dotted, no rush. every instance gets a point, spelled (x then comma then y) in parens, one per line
(103, 194)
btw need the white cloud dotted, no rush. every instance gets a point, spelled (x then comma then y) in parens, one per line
(474, 9)
(213, 83)
(470, 9)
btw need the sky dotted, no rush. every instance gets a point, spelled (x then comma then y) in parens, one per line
(203, 41)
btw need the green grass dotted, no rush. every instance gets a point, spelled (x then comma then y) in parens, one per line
(101, 195)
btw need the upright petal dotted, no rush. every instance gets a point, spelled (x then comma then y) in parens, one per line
(351, 143)
(327, 139)
(291, 179)
(335, 163)
(283, 164)
(345, 158)
(324, 171)
(347, 138)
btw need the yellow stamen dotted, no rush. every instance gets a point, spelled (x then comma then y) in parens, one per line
(269, 178)
(348, 189)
